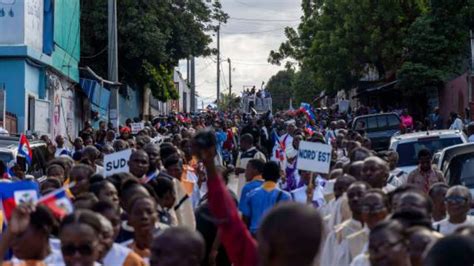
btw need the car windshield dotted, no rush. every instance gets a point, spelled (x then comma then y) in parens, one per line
(6, 157)
(408, 152)
(461, 170)
(378, 123)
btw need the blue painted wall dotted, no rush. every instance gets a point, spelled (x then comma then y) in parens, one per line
(12, 74)
(131, 106)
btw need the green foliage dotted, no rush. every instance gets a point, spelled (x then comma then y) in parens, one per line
(437, 47)
(338, 39)
(420, 42)
(304, 86)
(229, 102)
(153, 36)
(280, 87)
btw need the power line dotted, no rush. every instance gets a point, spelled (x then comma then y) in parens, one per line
(223, 77)
(253, 32)
(243, 3)
(97, 54)
(266, 20)
(252, 64)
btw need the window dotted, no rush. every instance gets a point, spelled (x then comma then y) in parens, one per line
(372, 124)
(461, 171)
(408, 152)
(393, 122)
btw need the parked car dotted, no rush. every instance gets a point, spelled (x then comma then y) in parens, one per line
(408, 145)
(9, 152)
(457, 165)
(379, 128)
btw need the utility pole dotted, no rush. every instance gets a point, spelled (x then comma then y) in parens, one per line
(113, 61)
(230, 76)
(193, 84)
(218, 29)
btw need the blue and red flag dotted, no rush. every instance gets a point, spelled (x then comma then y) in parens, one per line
(24, 149)
(306, 109)
(16, 193)
(58, 202)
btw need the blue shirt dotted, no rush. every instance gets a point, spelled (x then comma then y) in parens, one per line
(261, 200)
(250, 186)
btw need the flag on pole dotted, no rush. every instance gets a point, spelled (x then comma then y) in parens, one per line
(16, 193)
(58, 202)
(24, 149)
(306, 109)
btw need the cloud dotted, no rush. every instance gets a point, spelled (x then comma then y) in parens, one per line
(256, 27)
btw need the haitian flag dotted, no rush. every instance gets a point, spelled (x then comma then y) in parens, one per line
(24, 149)
(306, 109)
(58, 202)
(13, 194)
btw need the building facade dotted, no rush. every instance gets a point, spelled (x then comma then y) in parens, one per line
(39, 58)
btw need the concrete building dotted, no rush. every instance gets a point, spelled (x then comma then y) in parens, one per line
(39, 56)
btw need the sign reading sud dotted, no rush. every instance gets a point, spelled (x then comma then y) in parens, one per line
(116, 162)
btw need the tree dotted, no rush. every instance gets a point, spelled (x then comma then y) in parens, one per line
(338, 40)
(304, 86)
(229, 102)
(280, 88)
(437, 47)
(153, 36)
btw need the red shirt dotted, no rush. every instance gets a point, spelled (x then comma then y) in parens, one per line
(240, 246)
(229, 143)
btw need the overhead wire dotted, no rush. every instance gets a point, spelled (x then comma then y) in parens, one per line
(265, 20)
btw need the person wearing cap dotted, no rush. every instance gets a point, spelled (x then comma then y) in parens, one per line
(125, 133)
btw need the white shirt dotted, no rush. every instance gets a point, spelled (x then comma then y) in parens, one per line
(397, 177)
(445, 227)
(471, 138)
(457, 124)
(333, 252)
(361, 260)
(116, 255)
(59, 151)
(300, 195)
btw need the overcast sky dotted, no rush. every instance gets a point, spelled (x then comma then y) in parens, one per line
(255, 28)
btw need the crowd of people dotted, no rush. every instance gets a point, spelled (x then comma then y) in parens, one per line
(225, 189)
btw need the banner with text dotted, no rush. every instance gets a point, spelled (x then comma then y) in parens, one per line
(137, 127)
(314, 157)
(116, 162)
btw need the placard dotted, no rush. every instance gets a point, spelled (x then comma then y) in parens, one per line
(136, 127)
(116, 162)
(314, 157)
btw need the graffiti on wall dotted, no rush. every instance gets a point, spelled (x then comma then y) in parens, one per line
(6, 8)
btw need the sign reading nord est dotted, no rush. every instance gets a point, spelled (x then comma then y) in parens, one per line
(314, 157)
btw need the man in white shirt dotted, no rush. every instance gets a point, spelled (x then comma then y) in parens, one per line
(458, 203)
(61, 148)
(376, 172)
(331, 132)
(249, 152)
(284, 141)
(470, 132)
(457, 123)
(332, 254)
(397, 176)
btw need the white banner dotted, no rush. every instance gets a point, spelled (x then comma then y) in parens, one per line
(314, 157)
(116, 162)
(136, 127)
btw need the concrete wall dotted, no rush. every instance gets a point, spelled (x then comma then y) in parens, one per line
(184, 102)
(454, 97)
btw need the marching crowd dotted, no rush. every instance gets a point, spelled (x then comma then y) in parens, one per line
(225, 189)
